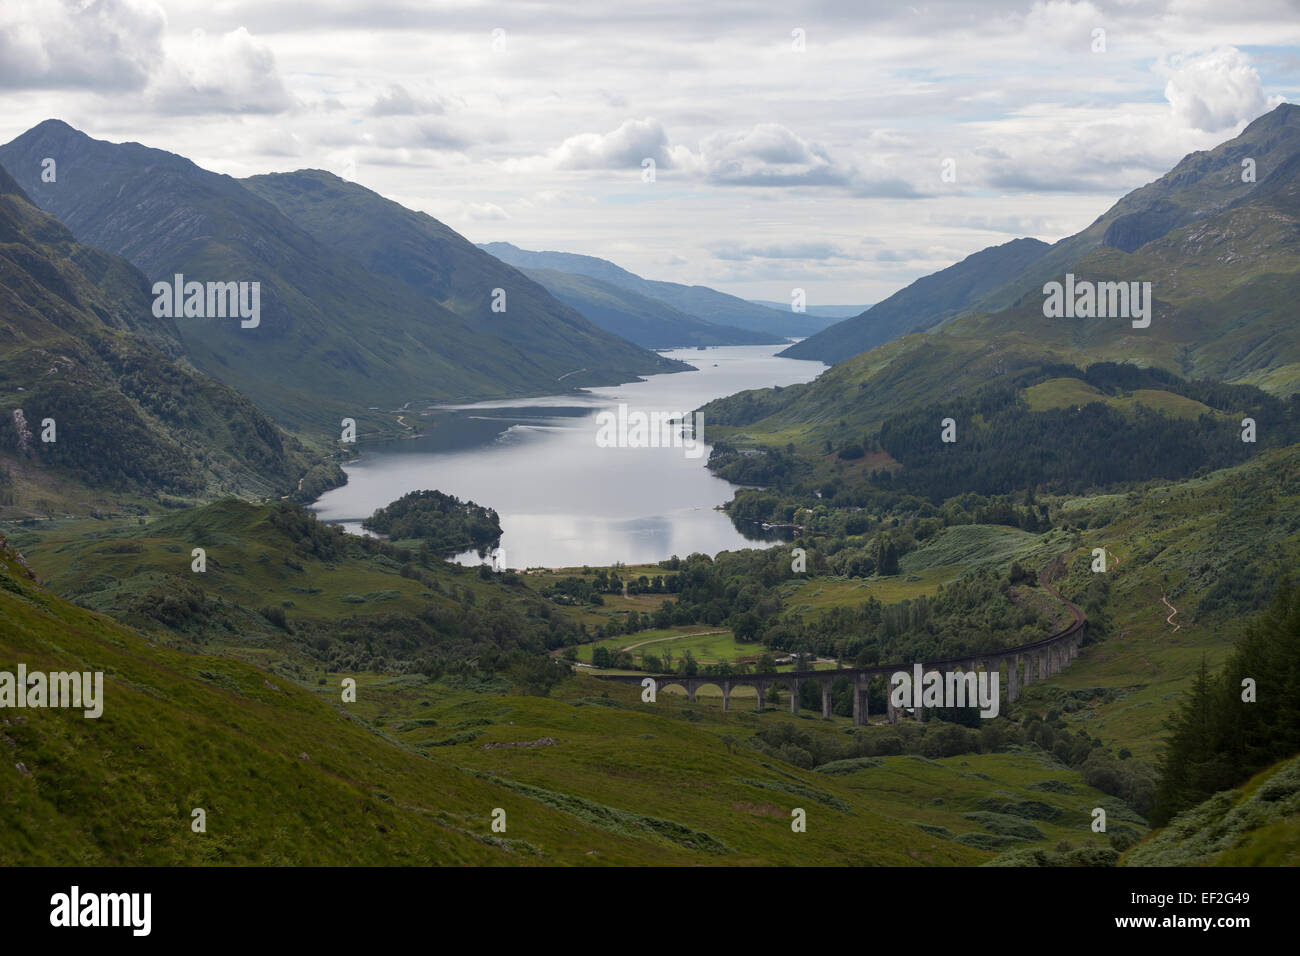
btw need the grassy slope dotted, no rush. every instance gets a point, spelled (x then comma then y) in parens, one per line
(291, 777)
(633, 757)
(674, 760)
(96, 564)
(686, 762)
(1257, 824)
(530, 346)
(1181, 541)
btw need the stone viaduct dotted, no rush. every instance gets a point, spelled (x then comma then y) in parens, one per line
(1023, 665)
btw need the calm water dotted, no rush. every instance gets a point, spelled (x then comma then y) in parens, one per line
(563, 501)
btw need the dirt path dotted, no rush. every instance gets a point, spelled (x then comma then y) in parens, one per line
(671, 637)
(1172, 611)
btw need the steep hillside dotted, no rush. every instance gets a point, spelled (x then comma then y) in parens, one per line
(1257, 824)
(333, 337)
(414, 770)
(130, 417)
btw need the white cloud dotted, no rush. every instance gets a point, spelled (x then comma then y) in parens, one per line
(765, 155)
(769, 154)
(1213, 91)
(757, 146)
(230, 73)
(1063, 24)
(623, 148)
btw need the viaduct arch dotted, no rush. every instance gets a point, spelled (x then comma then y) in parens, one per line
(1021, 667)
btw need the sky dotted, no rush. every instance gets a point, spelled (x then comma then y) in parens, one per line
(841, 147)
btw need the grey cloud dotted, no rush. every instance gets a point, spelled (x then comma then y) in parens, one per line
(111, 45)
(817, 251)
(398, 101)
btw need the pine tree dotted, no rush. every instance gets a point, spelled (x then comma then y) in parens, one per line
(1218, 739)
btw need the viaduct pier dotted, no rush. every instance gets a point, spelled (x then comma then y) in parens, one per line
(1017, 667)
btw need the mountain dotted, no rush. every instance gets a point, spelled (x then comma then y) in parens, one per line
(426, 256)
(1223, 288)
(129, 416)
(1201, 185)
(334, 337)
(697, 300)
(638, 318)
(435, 261)
(923, 304)
(820, 311)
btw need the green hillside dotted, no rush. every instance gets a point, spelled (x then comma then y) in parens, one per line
(424, 255)
(132, 421)
(1257, 824)
(1202, 185)
(411, 773)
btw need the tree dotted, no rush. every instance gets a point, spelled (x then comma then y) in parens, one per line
(886, 555)
(1218, 739)
(745, 626)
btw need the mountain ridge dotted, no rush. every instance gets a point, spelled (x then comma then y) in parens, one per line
(920, 305)
(335, 338)
(699, 301)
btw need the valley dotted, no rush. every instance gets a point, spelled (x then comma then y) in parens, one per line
(981, 475)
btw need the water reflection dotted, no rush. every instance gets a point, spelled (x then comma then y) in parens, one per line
(563, 501)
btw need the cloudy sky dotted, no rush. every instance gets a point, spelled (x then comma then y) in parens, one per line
(794, 144)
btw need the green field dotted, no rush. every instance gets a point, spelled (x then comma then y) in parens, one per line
(1066, 392)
